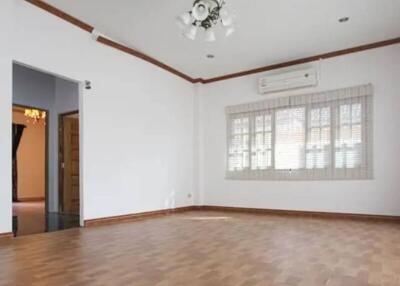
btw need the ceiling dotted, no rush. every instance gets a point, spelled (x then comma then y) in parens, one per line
(267, 31)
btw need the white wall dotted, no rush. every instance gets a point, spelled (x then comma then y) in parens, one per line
(137, 120)
(381, 67)
(66, 99)
(6, 16)
(33, 88)
(66, 95)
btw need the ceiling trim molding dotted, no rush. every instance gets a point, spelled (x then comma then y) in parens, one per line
(144, 57)
(88, 28)
(306, 60)
(61, 14)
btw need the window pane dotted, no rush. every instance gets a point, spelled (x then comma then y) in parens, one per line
(245, 159)
(317, 159)
(344, 114)
(268, 123)
(268, 140)
(356, 113)
(261, 160)
(269, 158)
(240, 125)
(356, 133)
(325, 116)
(326, 135)
(245, 125)
(345, 135)
(315, 135)
(239, 145)
(261, 143)
(259, 123)
(233, 163)
(348, 136)
(237, 126)
(245, 142)
(314, 117)
(290, 137)
(318, 140)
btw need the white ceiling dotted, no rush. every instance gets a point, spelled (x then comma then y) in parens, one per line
(267, 32)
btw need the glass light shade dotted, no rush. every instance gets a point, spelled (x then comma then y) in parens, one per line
(210, 36)
(201, 11)
(226, 19)
(185, 19)
(229, 31)
(191, 33)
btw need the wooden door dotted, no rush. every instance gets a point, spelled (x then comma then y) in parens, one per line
(69, 150)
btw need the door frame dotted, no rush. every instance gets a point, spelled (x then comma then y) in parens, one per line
(46, 152)
(83, 92)
(60, 146)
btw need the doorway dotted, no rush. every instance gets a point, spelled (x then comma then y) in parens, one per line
(29, 169)
(43, 101)
(68, 168)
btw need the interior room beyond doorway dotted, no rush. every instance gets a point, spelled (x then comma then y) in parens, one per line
(39, 100)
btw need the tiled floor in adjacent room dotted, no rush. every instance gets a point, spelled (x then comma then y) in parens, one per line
(209, 248)
(31, 218)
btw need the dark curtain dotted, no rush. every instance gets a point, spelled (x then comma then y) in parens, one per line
(17, 130)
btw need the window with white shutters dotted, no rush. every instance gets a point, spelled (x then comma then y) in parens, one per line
(309, 137)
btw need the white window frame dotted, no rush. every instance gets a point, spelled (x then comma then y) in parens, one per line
(332, 99)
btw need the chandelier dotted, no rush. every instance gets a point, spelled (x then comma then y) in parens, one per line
(35, 115)
(206, 15)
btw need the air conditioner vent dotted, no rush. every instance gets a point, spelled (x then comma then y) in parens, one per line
(289, 80)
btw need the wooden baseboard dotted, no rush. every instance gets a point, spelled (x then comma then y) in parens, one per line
(152, 214)
(301, 213)
(6, 235)
(26, 200)
(137, 216)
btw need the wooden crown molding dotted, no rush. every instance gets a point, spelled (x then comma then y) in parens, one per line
(88, 28)
(306, 60)
(144, 57)
(61, 14)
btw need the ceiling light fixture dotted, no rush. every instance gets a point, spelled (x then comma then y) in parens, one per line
(344, 19)
(206, 15)
(35, 115)
(210, 56)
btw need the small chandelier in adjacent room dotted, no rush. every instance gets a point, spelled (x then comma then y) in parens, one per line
(206, 15)
(35, 115)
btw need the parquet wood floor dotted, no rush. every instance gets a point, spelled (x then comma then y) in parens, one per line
(209, 248)
(30, 217)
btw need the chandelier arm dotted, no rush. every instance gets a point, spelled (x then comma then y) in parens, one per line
(218, 3)
(206, 19)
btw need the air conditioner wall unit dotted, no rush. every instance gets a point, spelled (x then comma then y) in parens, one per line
(288, 80)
